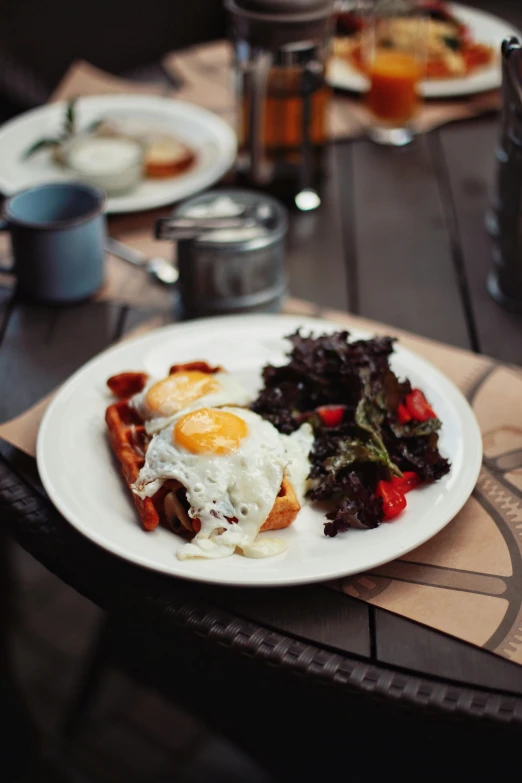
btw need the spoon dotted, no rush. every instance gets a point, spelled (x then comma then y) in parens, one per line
(159, 268)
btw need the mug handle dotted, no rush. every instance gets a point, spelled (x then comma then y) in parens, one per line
(8, 269)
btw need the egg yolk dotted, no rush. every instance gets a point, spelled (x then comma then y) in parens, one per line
(180, 389)
(209, 431)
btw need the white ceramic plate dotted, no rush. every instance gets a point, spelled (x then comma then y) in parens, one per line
(486, 28)
(213, 141)
(83, 480)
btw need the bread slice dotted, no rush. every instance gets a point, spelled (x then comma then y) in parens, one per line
(165, 157)
(284, 510)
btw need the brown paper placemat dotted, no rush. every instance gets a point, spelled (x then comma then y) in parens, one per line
(467, 580)
(206, 73)
(82, 78)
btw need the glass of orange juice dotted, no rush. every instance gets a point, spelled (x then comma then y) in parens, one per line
(393, 51)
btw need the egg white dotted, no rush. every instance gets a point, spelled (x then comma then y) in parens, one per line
(230, 393)
(298, 446)
(243, 483)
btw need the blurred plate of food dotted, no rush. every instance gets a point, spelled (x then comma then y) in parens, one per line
(462, 57)
(145, 151)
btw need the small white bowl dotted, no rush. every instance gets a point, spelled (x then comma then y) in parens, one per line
(113, 163)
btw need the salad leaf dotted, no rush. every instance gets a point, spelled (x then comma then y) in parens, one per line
(359, 509)
(370, 418)
(388, 391)
(415, 429)
(354, 450)
(421, 455)
(371, 413)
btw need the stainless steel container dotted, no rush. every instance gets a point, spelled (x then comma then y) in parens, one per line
(505, 221)
(237, 270)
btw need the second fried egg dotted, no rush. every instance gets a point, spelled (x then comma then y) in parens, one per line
(184, 390)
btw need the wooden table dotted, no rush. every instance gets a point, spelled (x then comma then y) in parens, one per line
(399, 238)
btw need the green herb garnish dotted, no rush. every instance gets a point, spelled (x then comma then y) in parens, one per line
(69, 129)
(452, 43)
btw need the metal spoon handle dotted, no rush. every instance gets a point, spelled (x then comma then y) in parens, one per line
(160, 269)
(187, 228)
(125, 252)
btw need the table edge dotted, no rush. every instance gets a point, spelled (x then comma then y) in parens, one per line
(24, 506)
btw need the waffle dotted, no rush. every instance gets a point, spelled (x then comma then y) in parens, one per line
(129, 442)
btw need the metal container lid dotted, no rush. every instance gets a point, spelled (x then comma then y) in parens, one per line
(280, 11)
(276, 23)
(238, 239)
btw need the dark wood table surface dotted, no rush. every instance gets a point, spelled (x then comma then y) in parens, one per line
(399, 238)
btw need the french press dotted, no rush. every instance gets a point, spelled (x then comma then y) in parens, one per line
(281, 48)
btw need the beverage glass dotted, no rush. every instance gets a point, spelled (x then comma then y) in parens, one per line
(393, 50)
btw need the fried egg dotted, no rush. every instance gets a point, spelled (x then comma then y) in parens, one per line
(162, 400)
(231, 463)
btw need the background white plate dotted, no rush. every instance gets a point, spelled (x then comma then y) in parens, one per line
(83, 480)
(213, 141)
(486, 28)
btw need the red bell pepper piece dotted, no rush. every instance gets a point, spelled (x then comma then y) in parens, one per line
(331, 415)
(403, 413)
(418, 406)
(393, 499)
(408, 481)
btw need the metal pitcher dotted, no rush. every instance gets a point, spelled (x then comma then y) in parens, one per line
(505, 279)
